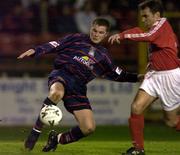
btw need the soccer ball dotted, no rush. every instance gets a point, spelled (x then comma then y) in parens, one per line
(50, 115)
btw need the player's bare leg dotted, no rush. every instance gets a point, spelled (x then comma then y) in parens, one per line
(55, 95)
(86, 126)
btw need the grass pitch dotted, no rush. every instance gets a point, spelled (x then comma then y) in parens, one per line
(107, 140)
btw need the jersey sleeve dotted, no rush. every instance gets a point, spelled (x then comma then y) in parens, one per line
(53, 46)
(138, 34)
(115, 73)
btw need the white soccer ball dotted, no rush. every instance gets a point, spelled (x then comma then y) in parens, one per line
(51, 115)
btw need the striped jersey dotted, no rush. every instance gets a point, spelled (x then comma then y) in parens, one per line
(83, 59)
(162, 44)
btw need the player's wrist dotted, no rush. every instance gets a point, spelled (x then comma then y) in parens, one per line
(121, 35)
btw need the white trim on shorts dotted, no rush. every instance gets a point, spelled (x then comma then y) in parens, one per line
(164, 85)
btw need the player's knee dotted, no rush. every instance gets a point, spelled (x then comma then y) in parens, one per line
(171, 123)
(89, 129)
(136, 109)
(55, 96)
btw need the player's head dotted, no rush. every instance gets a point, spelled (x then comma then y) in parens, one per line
(99, 30)
(150, 11)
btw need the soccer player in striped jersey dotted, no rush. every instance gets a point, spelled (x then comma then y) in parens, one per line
(80, 59)
(162, 79)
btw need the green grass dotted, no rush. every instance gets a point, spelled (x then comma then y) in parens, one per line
(107, 140)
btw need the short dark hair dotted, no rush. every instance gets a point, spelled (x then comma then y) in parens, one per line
(153, 5)
(102, 22)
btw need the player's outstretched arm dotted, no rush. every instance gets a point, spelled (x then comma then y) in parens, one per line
(28, 53)
(114, 38)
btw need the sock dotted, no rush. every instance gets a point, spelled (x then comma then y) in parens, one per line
(178, 124)
(34, 134)
(32, 139)
(38, 124)
(136, 125)
(71, 136)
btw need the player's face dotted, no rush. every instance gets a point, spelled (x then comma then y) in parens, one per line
(98, 33)
(148, 18)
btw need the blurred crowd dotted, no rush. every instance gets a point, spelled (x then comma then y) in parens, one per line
(24, 23)
(61, 16)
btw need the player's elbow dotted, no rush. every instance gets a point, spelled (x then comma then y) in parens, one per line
(151, 38)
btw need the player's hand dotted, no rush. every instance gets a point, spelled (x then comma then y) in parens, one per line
(26, 54)
(140, 77)
(114, 38)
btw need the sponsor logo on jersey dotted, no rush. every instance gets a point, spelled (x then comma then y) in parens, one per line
(85, 60)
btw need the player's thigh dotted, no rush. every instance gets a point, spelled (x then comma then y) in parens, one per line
(141, 101)
(172, 117)
(85, 119)
(56, 91)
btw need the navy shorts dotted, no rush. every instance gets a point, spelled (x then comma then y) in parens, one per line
(75, 91)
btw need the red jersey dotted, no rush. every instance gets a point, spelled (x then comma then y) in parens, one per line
(162, 44)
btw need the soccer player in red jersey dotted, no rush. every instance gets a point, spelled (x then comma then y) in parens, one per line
(79, 59)
(162, 79)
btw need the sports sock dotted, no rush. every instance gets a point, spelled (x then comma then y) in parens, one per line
(72, 135)
(136, 125)
(38, 124)
(31, 139)
(178, 124)
(34, 134)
